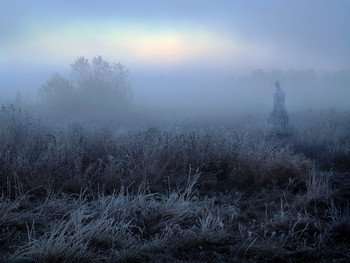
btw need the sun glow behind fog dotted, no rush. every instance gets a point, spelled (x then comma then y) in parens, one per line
(131, 43)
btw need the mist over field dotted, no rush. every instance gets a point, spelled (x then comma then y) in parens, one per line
(213, 92)
(201, 56)
(174, 131)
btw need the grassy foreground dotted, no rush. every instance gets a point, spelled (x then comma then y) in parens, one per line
(76, 194)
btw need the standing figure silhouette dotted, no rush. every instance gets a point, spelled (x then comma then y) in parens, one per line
(277, 123)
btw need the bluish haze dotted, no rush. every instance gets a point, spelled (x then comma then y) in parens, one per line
(174, 49)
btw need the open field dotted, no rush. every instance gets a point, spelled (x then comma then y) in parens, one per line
(184, 190)
(174, 131)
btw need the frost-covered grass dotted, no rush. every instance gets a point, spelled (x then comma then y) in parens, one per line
(73, 193)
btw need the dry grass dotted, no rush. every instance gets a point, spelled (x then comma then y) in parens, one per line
(77, 194)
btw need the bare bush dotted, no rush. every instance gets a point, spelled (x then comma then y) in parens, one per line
(97, 89)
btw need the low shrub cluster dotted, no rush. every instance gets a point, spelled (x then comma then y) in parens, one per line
(324, 136)
(77, 157)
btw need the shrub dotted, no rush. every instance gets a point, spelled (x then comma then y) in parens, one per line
(95, 88)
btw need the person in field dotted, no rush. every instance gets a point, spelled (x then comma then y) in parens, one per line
(277, 123)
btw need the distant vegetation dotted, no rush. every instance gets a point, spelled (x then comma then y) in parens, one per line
(208, 92)
(93, 89)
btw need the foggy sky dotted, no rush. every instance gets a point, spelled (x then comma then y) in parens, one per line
(183, 40)
(238, 34)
